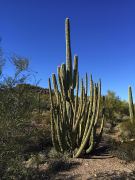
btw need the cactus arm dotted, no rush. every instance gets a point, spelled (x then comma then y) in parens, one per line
(52, 119)
(81, 120)
(62, 74)
(98, 102)
(98, 138)
(91, 142)
(76, 100)
(81, 107)
(90, 107)
(55, 87)
(91, 93)
(68, 53)
(75, 71)
(131, 105)
(59, 134)
(60, 83)
(83, 144)
(84, 141)
(59, 103)
(86, 85)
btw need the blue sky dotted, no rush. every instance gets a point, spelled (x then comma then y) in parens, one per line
(102, 35)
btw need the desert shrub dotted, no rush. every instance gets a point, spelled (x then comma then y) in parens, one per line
(21, 131)
(42, 100)
(17, 170)
(127, 130)
(21, 138)
(125, 151)
(115, 109)
(110, 142)
(53, 154)
(43, 103)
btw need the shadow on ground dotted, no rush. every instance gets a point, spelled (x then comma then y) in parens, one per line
(101, 152)
(54, 170)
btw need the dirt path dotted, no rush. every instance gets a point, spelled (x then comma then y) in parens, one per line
(92, 167)
(105, 168)
(102, 166)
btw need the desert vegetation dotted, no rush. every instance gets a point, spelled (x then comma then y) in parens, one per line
(47, 131)
(75, 120)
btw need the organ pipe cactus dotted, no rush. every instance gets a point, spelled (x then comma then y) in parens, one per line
(77, 119)
(131, 105)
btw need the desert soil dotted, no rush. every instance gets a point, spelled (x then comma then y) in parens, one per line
(101, 168)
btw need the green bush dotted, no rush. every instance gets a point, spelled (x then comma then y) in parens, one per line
(125, 151)
(127, 130)
(23, 131)
(115, 109)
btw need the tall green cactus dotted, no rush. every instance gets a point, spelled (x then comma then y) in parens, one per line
(76, 121)
(131, 105)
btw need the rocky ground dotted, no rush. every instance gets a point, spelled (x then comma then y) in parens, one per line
(101, 166)
(97, 167)
(104, 168)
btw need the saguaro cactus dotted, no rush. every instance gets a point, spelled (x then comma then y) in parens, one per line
(76, 121)
(131, 105)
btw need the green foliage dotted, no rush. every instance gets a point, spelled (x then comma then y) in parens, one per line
(77, 118)
(22, 129)
(20, 75)
(22, 132)
(53, 154)
(75, 121)
(21, 64)
(125, 151)
(127, 130)
(116, 109)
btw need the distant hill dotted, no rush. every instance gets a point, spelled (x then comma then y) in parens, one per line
(33, 88)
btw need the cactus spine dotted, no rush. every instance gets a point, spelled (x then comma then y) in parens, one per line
(75, 119)
(131, 105)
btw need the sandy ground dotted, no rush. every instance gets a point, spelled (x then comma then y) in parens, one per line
(104, 167)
